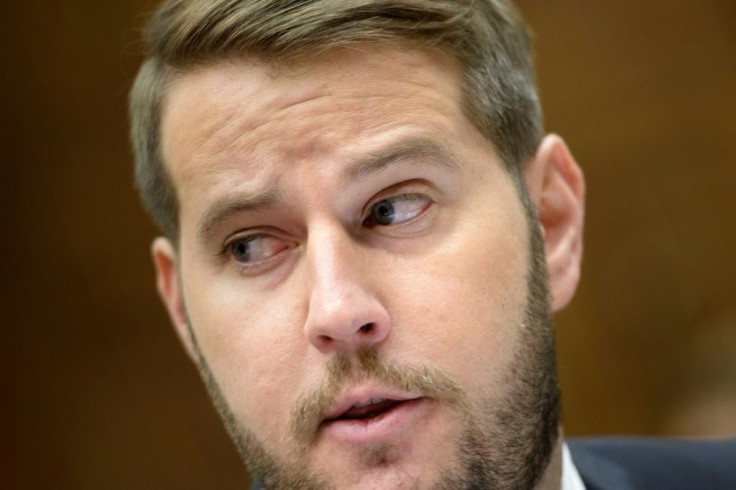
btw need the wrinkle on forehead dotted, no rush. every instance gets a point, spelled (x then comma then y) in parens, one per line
(222, 118)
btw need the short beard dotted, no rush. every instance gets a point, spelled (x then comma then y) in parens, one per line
(504, 444)
(507, 444)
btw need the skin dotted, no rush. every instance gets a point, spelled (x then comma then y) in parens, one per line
(298, 157)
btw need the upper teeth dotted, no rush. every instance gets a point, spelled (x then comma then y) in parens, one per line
(372, 401)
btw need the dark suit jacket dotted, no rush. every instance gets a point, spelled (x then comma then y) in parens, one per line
(655, 464)
(652, 464)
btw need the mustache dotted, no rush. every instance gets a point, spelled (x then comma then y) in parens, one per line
(425, 381)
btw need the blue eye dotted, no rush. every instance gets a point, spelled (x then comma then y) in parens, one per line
(396, 209)
(382, 213)
(241, 250)
(256, 249)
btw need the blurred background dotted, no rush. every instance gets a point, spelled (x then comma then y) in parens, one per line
(96, 391)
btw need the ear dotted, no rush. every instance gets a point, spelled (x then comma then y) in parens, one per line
(557, 189)
(169, 288)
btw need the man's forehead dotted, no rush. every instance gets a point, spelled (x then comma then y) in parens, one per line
(219, 113)
(280, 85)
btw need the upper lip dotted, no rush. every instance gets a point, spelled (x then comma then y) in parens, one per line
(350, 399)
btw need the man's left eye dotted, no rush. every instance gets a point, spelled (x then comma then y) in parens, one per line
(396, 209)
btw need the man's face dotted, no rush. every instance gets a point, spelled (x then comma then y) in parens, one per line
(355, 265)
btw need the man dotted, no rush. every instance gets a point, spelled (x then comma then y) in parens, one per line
(366, 233)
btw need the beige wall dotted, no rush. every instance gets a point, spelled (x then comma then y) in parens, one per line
(98, 394)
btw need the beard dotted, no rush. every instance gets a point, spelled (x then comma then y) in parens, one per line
(503, 443)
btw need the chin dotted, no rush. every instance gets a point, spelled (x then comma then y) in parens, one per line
(384, 476)
(389, 465)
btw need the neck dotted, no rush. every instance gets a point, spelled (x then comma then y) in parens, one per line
(552, 477)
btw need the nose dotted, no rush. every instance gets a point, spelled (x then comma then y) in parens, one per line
(345, 311)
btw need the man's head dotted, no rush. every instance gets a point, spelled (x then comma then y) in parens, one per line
(358, 207)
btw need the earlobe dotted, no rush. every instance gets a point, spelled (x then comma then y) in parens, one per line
(169, 288)
(557, 189)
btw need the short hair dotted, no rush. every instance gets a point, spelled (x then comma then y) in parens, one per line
(488, 38)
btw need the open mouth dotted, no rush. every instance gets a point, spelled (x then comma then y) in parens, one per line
(372, 408)
(374, 419)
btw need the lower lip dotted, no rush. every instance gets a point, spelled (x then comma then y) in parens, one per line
(384, 426)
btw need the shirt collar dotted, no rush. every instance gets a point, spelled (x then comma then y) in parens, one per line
(570, 477)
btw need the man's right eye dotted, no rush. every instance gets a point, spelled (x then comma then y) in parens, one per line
(241, 250)
(252, 250)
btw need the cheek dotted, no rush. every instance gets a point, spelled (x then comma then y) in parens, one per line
(253, 351)
(465, 300)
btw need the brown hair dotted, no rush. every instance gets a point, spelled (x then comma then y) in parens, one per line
(487, 37)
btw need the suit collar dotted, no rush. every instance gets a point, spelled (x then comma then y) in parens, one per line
(597, 472)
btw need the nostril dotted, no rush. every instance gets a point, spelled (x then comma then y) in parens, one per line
(366, 328)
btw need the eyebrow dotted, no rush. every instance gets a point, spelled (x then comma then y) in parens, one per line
(228, 206)
(425, 149)
(412, 149)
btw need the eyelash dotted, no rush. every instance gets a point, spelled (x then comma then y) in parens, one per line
(397, 199)
(247, 238)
